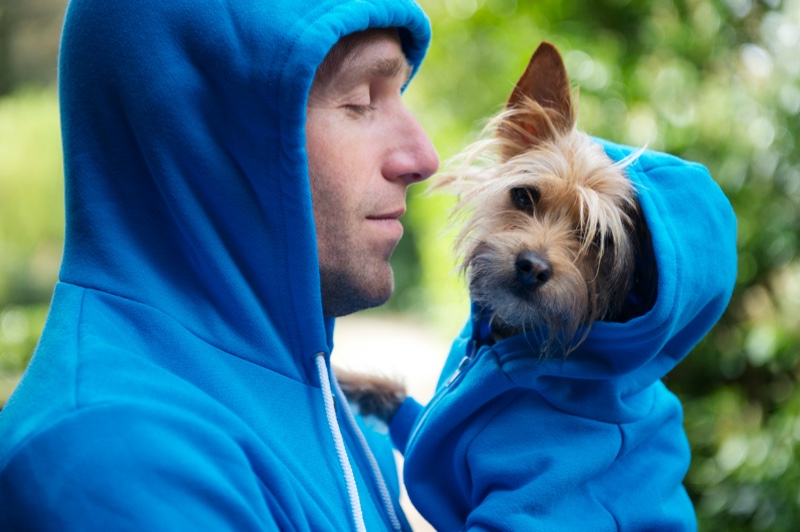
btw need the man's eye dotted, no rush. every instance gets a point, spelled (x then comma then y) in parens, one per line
(360, 109)
(525, 198)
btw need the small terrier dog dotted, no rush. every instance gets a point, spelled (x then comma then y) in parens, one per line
(552, 230)
(552, 239)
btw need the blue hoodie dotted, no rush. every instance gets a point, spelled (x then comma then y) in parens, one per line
(594, 441)
(181, 381)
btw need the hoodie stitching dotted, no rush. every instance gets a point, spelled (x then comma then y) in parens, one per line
(180, 324)
(78, 351)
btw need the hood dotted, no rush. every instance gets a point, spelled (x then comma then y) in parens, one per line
(185, 164)
(610, 375)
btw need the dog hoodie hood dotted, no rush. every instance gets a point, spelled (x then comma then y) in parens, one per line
(593, 441)
(188, 312)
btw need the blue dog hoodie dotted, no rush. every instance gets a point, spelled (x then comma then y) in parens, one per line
(594, 441)
(181, 381)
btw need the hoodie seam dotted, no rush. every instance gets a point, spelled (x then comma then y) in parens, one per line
(561, 410)
(603, 505)
(78, 350)
(65, 417)
(282, 218)
(183, 327)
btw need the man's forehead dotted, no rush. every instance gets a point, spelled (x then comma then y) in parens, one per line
(364, 56)
(373, 63)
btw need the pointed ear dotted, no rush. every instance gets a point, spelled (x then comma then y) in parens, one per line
(544, 81)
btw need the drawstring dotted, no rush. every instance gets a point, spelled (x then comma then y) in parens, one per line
(384, 491)
(333, 425)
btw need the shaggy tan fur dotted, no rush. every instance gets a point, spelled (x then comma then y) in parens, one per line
(578, 218)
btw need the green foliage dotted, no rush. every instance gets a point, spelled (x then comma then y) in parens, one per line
(30, 31)
(31, 221)
(715, 81)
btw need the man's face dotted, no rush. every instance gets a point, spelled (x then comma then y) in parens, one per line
(364, 149)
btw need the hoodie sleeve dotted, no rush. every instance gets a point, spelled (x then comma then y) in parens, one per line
(112, 468)
(402, 423)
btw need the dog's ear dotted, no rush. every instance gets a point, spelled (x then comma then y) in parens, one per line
(545, 82)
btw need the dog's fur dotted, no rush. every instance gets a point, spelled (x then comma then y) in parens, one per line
(373, 395)
(552, 227)
(552, 237)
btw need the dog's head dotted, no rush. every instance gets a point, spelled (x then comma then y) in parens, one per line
(552, 225)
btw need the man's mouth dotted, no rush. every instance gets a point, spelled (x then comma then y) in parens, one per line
(387, 224)
(389, 215)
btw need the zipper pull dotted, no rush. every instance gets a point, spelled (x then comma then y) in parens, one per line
(461, 365)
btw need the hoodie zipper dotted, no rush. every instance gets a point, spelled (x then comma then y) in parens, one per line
(449, 385)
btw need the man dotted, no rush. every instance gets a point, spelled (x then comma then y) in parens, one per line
(364, 150)
(182, 379)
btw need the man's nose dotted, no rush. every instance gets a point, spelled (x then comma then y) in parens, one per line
(414, 158)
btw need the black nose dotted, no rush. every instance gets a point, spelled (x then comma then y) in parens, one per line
(533, 270)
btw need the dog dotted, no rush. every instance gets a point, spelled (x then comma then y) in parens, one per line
(552, 238)
(552, 230)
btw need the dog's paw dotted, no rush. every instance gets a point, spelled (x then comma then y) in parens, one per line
(374, 395)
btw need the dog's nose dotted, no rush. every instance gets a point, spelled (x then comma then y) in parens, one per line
(533, 270)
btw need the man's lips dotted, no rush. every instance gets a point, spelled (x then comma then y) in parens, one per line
(391, 215)
(388, 224)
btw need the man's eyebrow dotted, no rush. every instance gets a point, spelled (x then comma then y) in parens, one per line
(385, 68)
(390, 67)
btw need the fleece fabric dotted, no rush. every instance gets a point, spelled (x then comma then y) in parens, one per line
(593, 441)
(175, 386)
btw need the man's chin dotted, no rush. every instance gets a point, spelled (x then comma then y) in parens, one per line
(343, 298)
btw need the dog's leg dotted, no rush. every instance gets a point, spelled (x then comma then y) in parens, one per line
(375, 395)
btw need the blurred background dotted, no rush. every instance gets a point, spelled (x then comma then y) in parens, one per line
(715, 81)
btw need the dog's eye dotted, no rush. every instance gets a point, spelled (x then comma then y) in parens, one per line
(525, 198)
(605, 242)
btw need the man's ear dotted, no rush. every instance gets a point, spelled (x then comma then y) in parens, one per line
(546, 83)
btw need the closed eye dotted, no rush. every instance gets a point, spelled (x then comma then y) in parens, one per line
(360, 109)
(525, 198)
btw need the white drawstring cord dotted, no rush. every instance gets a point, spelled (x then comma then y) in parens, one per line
(333, 425)
(384, 491)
